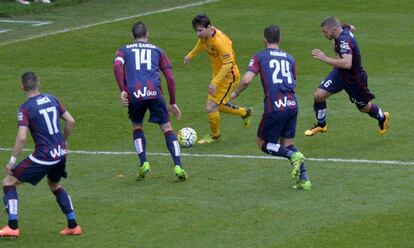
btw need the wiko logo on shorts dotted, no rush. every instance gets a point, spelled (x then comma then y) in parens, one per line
(146, 92)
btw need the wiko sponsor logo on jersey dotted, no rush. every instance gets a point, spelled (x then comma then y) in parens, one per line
(144, 93)
(284, 102)
(58, 152)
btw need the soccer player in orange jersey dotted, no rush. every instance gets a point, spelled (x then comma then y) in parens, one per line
(226, 75)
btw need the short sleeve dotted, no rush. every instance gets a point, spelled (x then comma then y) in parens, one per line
(345, 46)
(23, 117)
(254, 65)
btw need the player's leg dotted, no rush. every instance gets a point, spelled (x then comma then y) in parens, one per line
(330, 85)
(10, 200)
(304, 181)
(174, 148)
(54, 176)
(66, 205)
(269, 132)
(137, 112)
(24, 171)
(159, 114)
(375, 112)
(214, 121)
(360, 95)
(223, 93)
(140, 145)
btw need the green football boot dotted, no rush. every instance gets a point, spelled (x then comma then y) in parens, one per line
(143, 170)
(296, 160)
(180, 173)
(208, 139)
(303, 184)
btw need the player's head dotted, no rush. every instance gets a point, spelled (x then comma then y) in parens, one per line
(30, 81)
(272, 34)
(202, 26)
(139, 30)
(331, 27)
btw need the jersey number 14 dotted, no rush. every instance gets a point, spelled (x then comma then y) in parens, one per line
(142, 56)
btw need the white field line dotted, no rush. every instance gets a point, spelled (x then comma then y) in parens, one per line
(108, 21)
(34, 23)
(332, 160)
(4, 30)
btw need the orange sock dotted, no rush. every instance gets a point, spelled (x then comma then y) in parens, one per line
(229, 108)
(214, 119)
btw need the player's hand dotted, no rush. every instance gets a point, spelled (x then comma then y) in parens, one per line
(173, 108)
(212, 89)
(9, 167)
(124, 98)
(318, 54)
(187, 60)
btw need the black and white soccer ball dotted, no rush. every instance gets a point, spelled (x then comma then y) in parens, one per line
(187, 137)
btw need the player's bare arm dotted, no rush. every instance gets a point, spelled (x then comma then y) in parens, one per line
(69, 122)
(244, 83)
(344, 63)
(18, 147)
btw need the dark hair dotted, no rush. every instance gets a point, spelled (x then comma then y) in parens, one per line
(272, 34)
(201, 20)
(139, 30)
(330, 21)
(30, 81)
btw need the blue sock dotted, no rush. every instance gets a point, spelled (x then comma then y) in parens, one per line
(65, 203)
(140, 145)
(276, 150)
(10, 200)
(320, 112)
(303, 173)
(173, 146)
(376, 112)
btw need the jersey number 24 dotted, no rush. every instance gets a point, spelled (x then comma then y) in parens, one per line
(283, 67)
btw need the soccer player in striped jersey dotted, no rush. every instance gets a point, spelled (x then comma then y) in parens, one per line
(348, 74)
(137, 69)
(276, 131)
(40, 114)
(226, 75)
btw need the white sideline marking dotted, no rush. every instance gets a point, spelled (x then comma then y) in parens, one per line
(334, 160)
(108, 21)
(4, 30)
(34, 23)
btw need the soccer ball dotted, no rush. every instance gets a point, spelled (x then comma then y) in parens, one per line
(187, 137)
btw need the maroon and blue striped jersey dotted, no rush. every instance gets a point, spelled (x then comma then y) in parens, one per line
(347, 44)
(278, 74)
(141, 63)
(41, 114)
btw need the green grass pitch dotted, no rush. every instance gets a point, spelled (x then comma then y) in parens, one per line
(227, 202)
